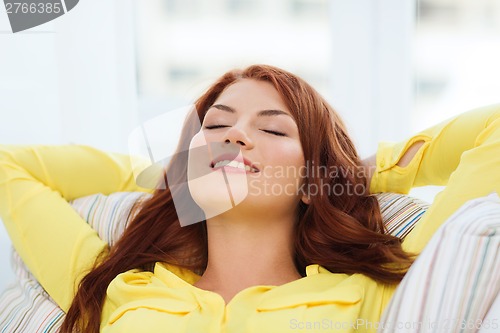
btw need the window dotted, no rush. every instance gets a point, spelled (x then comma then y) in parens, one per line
(457, 47)
(182, 46)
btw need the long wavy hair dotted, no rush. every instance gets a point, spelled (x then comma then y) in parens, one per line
(341, 231)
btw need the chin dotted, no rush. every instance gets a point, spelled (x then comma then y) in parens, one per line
(215, 196)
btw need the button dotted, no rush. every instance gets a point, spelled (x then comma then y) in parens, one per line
(382, 163)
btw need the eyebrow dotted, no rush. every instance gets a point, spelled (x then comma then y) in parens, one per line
(266, 113)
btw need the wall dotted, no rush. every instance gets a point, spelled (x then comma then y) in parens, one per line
(71, 80)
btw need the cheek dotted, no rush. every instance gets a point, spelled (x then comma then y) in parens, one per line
(198, 152)
(198, 159)
(285, 164)
(289, 155)
(198, 140)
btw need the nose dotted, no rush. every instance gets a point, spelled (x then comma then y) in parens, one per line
(238, 136)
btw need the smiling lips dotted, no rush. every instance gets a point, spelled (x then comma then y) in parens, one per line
(236, 163)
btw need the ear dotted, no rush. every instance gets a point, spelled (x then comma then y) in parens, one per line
(305, 199)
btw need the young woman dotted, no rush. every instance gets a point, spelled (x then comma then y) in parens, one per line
(271, 259)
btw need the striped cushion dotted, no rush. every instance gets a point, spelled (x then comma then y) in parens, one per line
(459, 269)
(400, 212)
(26, 307)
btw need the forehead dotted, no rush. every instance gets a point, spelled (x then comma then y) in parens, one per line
(252, 95)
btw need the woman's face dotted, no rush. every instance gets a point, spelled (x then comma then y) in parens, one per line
(247, 154)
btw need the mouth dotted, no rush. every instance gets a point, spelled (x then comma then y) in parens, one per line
(233, 162)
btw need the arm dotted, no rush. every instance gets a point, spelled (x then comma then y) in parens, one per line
(462, 153)
(36, 183)
(370, 163)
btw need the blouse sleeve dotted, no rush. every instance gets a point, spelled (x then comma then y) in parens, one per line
(36, 183)
(462, 153)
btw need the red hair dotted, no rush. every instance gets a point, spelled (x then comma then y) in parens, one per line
(342, 232)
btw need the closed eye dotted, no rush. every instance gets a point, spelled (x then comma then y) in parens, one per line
(274, 132)
(215, 126)
(209, 127)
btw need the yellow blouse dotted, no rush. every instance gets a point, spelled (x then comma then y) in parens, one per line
(140, 301)
(36, 183)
